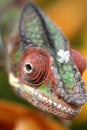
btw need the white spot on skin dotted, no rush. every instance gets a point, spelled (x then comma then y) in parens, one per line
(52, 68)
(50, 101)
(44, 99)
(40, 96)
(35, 92)
(64, 108)
(64, 56)
(55, 104)
(59, 106)
(69, 110)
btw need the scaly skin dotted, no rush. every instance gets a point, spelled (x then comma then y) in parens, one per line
(37, 95)
(42, 67)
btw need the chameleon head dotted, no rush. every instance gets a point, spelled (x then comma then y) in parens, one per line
(38, 84)
(38, 76)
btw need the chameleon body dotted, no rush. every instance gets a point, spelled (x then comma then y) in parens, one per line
(42, 67)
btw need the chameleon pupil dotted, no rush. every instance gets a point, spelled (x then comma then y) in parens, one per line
(28, 67)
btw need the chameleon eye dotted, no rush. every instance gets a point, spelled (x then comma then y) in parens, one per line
(35, 66)
(28, 68)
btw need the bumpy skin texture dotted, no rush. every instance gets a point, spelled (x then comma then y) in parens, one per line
(42, 66)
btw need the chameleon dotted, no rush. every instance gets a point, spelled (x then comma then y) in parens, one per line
(42, 68)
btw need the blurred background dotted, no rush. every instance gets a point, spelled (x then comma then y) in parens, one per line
(15, 113)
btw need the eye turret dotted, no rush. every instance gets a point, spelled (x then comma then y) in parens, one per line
(35, 66)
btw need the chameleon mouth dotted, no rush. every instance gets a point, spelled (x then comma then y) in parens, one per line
(55, 106)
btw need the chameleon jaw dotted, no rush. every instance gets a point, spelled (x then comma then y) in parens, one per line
(58, 107)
